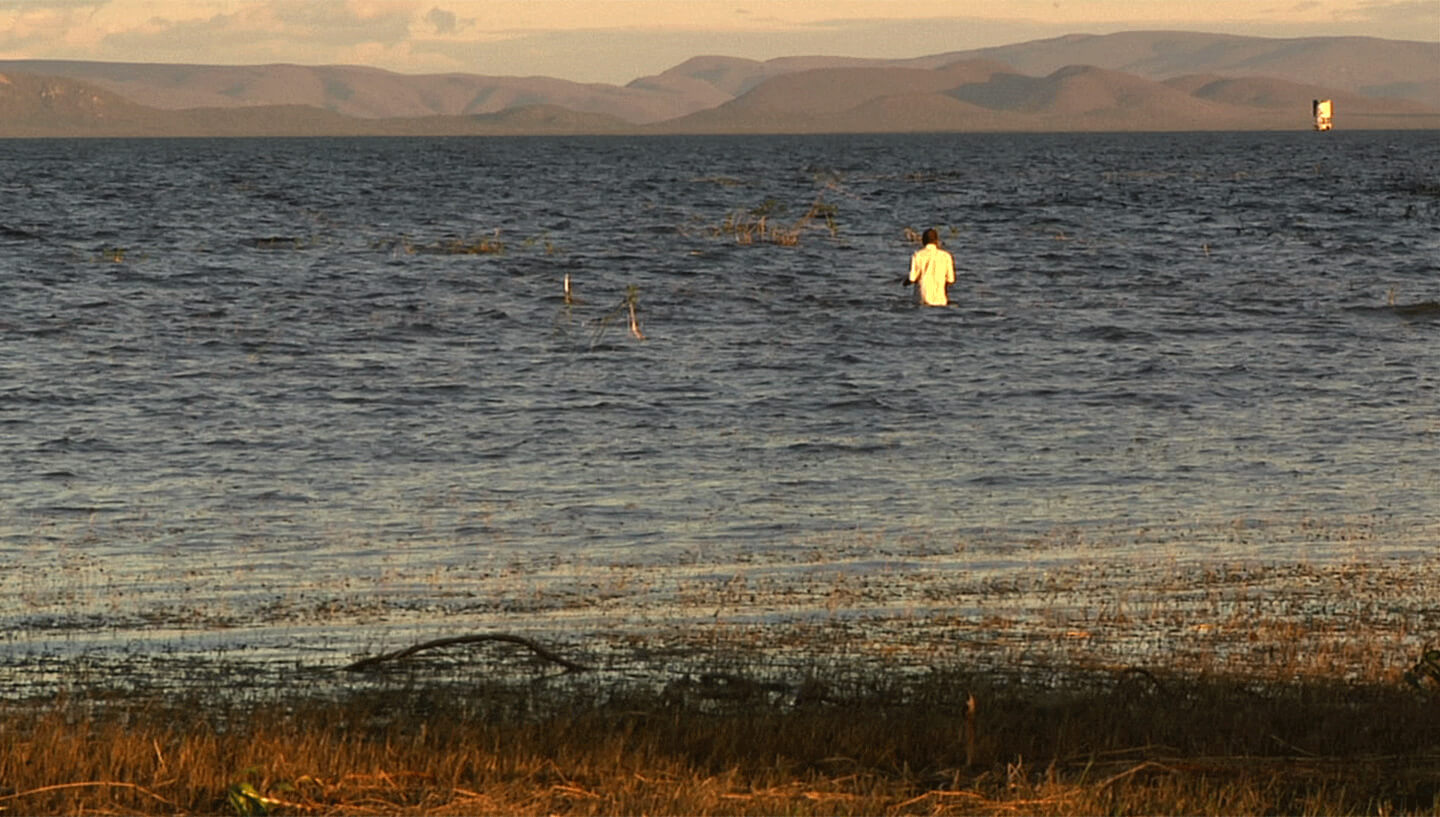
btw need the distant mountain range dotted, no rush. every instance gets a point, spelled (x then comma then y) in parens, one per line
(1128, 81)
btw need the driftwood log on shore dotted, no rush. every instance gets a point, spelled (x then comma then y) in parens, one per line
(375, 660)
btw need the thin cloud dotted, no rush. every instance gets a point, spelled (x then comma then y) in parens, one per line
(1424, 14)
(51, 5)
(33, 27)
(343, 22)
(273, 31)
(443, 21)
(619, 40)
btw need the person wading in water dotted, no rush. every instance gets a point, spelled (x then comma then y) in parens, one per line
(933, 269)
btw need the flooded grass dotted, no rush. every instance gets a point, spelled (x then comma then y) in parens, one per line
(763, 224)
(835, 678)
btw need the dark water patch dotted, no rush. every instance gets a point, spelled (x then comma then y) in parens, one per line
(1426, 310)
(281, 496)
(1421, 311)
(18, 234)
(1115, 334)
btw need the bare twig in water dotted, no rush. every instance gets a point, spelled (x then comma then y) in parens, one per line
(374, 660)
(970, 731)
(628, 305)
(632, 296)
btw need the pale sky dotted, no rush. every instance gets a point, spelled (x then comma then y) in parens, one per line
(619, 40)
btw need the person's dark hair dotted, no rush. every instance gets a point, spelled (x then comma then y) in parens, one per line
(930, 236)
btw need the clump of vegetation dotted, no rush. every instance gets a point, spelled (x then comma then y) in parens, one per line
(483, 245)
(764, 223)
(914, 236)
(113, 255)
(1426, 669)
(543, 241)
(281, 242)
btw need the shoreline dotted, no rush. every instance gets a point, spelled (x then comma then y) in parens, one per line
(953, 741)
(1193, 688)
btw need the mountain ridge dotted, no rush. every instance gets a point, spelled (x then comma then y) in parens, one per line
(1128, 81)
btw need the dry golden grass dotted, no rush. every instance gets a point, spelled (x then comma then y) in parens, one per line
(1115, 743)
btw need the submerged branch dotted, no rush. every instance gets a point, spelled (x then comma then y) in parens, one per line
(375, 660)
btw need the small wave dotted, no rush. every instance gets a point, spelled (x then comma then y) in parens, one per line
(227, 442)
(80, 510)
(277, 242)
(863, 403)
(839, 447)
(1114, 334)
(281, 496)
(1427, 310)
(6, 231)
(85, 445)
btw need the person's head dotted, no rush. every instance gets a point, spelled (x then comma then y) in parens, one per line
(930, 237)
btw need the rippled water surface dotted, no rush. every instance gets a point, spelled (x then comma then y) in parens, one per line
(242, 377)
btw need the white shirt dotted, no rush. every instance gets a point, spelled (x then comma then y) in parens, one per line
(934, 269)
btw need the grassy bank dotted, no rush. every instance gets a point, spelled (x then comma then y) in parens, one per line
(1126, 742)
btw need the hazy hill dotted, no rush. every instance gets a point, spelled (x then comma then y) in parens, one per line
(807, 94)
(723, 78)
(1363, 65)
(1279, 95)
(355, 91)
(58, 107)
(980, 95)
(42, 106)
(1131, 81)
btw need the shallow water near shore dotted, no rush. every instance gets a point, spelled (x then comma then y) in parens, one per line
(296, 400)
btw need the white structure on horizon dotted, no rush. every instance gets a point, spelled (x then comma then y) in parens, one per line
(1321, 111)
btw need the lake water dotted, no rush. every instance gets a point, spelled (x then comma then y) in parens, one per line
(333, 387)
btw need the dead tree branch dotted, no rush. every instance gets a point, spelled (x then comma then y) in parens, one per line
(375, 660)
